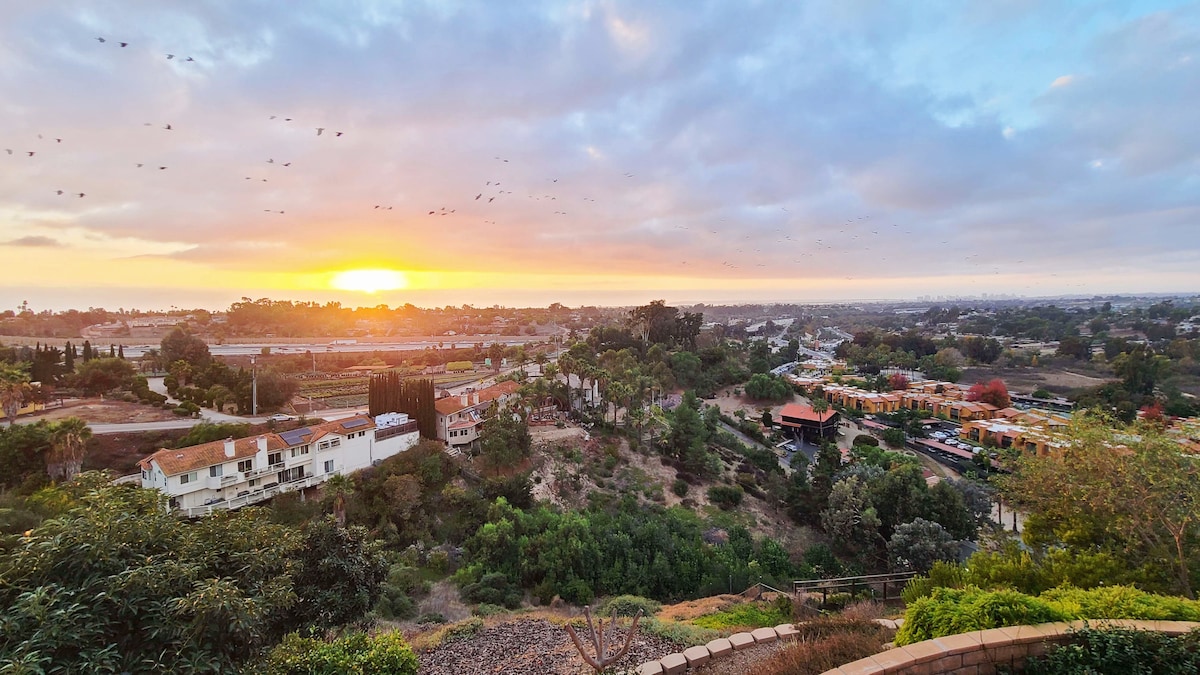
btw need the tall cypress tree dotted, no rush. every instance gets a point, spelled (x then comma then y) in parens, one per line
(69, 358)
(388, 392)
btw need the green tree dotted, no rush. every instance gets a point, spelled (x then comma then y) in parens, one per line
(850, 520)
(181, 345)
(505, 440)
(337, 575)
(920, 543)
(688, 435)
(1140, 369)
(68, 441)
(764, 387)
(14, 390)
(1132, 495)
(119, 583)
(103, 374)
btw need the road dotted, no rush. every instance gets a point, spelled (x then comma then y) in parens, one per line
(253, 348)
(189, 422)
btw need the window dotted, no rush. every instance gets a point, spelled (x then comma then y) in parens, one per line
(245, 465)
(302, 450)
(145, 474)
(253, 482)
(323, 446)
(214, 471)
(329, 466)
(187, 478)
(291, 474)
(275, 458)
(335, 442)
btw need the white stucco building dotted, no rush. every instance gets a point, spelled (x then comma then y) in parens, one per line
(230, 474)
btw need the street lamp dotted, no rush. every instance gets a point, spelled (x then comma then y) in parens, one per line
(253, 388)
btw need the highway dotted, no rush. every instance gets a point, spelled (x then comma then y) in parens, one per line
(253, 348)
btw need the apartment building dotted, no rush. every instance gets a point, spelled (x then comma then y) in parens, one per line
(460, 418)
(230, 474)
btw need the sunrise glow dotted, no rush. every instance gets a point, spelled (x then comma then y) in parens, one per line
(369, 281)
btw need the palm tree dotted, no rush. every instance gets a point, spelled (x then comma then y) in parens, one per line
(336, 490)
(14, 389)
(68, 439)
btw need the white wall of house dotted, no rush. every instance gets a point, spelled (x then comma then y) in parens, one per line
(300, 465)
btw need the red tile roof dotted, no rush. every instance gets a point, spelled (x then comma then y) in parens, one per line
(803, 412)
(452, 404)
(183, 460)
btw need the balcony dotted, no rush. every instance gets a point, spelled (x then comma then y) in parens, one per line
(257, 496)
(274, 468)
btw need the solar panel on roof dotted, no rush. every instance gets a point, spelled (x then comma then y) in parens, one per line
(355, 423)
(295, 436)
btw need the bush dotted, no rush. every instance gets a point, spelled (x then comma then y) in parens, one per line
(682, 634)
(825, 644)
(745, 615)
(462, 630)
(493, 589)
(679, 487)
(725, 497)
(947, 611)
(1120, 651)
(578, 592)
(486, 609)
(866, 439)
(354, 653)
(628, 605)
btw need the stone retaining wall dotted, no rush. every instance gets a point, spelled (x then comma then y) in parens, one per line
(980, 652)
(694, 657)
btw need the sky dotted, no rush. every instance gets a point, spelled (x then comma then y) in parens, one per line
(595, 152)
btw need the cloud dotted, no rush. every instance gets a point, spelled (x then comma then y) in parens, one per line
(35, 242)
(636, 139)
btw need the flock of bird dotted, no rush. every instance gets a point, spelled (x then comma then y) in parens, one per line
(848, 237)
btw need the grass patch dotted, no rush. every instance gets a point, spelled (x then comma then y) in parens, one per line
(682, 634)
(748, 615)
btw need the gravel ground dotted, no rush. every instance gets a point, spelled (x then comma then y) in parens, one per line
(740, 662)
(531, 647)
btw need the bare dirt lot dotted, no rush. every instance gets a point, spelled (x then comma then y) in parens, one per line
(120, 453)
(1027, 380)
(100, 411)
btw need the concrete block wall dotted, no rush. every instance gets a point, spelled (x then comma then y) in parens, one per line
(981, 652)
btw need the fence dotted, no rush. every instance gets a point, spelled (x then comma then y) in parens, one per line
(881, 585)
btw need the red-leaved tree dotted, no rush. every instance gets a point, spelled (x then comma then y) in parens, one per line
(897, 382)
(993, 392)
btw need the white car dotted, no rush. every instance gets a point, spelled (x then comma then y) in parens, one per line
(938, 435)
(281, 417)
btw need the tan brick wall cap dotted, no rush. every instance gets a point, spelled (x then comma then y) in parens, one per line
(969, 652)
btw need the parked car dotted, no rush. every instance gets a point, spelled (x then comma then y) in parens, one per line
(281, 417)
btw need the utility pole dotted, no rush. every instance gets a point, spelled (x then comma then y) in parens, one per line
(253, 388)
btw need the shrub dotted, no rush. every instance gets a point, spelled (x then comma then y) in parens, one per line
(1121, 602)
(1121, 650)
(866, 439)
(463, 629)
(679, 487)
(725, 497)
(682, 634)
(745, 615)
(825, 644)
(493, 589)
(628, 605)
(578, 592)
(354, 653)
(947, 611)
(487, 609)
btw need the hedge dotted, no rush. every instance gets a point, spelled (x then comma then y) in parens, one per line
(948, 611)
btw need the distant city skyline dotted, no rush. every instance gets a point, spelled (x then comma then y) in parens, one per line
(595, 152)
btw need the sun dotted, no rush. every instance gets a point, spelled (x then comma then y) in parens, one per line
(369, 281)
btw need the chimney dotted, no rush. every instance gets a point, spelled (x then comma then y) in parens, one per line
(476, 397)
(464, 399)
(229, 451)
(262, 443)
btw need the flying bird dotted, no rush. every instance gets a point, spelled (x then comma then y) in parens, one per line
(191, 59)
(59, 191)
(320, 130)
(8, 150)
(81, 195)
(31, 154)
(287, 163)
(338, 134)
(170, 56)
(168, 128)
(161, 168)
(101, 39)
(478, 196)
(270, 161)
(124, 44)
(140, 165)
